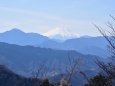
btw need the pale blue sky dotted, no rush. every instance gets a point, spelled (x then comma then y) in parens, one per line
(43, 15)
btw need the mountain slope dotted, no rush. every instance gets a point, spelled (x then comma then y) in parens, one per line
(8, 78)
(26, 59)
(16, 36)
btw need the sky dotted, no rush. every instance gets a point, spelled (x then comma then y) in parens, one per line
(40, 16)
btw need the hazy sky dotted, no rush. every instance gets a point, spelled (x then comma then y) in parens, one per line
(43, 15)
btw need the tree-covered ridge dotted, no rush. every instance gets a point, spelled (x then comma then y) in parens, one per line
(8, 78)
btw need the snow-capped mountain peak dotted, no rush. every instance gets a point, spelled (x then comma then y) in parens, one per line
(61, 33)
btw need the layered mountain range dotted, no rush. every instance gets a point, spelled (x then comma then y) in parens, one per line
(26, 60)
(24, 53)
(84, 44)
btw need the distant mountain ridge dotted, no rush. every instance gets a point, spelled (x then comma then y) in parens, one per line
(26, 59)
(16, 36)
(84, 44)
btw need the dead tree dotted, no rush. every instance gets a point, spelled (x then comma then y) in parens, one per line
(109, 67)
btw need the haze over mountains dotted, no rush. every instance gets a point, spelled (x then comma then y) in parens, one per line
(26, 59)
(84, 44)
(23, 53)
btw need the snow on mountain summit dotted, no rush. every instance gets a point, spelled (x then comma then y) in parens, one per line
(61, 33)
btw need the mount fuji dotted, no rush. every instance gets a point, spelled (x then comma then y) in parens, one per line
(60, 33)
